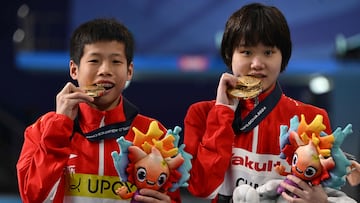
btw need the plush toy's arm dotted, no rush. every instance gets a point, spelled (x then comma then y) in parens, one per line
(121, 159)
(339, 172)
(124, 193)
(186, 166)
(176, 134)
(280, 169)
(183, 170)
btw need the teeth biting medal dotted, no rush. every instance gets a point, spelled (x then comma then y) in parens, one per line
(94, 90)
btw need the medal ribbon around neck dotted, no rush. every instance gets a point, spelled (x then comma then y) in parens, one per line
(260, 111)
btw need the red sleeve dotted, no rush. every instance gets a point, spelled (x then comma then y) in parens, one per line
(208, 136)
(326, 121)
(310, 113)
(44, 154)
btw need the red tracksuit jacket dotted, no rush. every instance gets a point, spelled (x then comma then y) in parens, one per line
(222, 160)
(56, 166)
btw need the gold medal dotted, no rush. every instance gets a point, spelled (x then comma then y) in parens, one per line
(247, 87)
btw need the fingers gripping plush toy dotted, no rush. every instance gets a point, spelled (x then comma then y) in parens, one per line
(151, 162)
(313, 155)
(354, 176)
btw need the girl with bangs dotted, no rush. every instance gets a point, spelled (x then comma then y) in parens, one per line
(235, 141)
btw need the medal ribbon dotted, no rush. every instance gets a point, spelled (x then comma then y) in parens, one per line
(258, 113)
(115, 130)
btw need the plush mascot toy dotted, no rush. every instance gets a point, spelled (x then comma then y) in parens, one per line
(307, 152)
(151, 162)
(313, 156)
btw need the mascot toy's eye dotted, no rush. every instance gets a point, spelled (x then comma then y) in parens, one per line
(310, 172)
(141, 174)
(295, 159)
(162, 179)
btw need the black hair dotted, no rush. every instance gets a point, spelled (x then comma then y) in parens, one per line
(100, 30)
(256, 23)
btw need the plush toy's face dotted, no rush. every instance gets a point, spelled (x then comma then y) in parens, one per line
(306, 162)
(151, 172)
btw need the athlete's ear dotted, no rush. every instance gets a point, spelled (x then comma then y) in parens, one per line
(130, 71)
(74, 69)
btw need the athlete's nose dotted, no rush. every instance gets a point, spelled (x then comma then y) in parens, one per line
(257, 63)
(105, 68)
